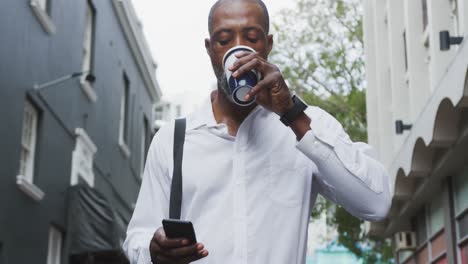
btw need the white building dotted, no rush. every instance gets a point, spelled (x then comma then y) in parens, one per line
(178, 105)
(417, 104)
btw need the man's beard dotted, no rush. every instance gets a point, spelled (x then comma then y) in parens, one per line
(223, 84)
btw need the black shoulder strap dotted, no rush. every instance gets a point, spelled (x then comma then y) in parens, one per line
(176, 185)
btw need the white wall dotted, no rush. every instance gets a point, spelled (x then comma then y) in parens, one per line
(393, 92)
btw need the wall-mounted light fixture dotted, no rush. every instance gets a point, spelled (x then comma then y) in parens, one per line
(89, 77)
(446, 40)
(400, 127)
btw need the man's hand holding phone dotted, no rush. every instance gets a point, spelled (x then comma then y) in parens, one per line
(175, 250)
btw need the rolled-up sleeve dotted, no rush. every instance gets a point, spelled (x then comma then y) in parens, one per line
(348, 172)
(151, 206)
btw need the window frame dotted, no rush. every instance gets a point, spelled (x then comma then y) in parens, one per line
(459, 214)
(26, 183)
(455, 15)
(30, 147)
(54, 245)
(144, 144)
(124, 136)
(43, 15)
(88, 49)
(425, 15)
(83, 159)
(405, 51)
(431, 235)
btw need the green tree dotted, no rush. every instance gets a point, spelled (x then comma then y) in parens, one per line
(319, 47)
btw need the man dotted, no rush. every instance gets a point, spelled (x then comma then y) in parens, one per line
(249, 180)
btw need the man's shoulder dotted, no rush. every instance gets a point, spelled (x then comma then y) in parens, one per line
(166, 131)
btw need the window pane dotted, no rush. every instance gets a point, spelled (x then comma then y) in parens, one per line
(419, 225)
(23, 162)
(404, 255)
(463, 226)
(464, 253)
(422, 256)
(425, 17)
(159, 113)
(438, 245)
(55, 246)
(144, 140)
(28, 141)
(405, 49)
(88, 38)
(126, 108)
(436, 215)
(28, 123)
(179, 110)
(125, 111)
(461, 192)
(1, 254)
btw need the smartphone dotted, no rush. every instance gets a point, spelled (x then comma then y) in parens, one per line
(179, 229)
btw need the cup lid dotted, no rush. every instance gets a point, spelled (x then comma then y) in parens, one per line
(236, 49)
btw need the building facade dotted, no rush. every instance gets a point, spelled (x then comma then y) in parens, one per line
(417, 104)
(77, 93)
(166, 111)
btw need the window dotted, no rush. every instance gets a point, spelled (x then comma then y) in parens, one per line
(424, 13)
(405, 50)
(88, 50)
(41, 9)
(159, 113)
(454, 16)
(419, 225)
(124, 117)
(28, 141)
(436, 215)
(55, 246)
(25, 177)
(1, 254)
(145, 141)
(460, 192)
(464, 253)
(82, 159)
(178, 110)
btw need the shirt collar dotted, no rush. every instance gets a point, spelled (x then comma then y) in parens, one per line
(202, 116)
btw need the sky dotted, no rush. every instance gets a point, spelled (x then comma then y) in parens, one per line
(175, 31)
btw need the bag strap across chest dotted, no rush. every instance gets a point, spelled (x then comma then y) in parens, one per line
(175, 205)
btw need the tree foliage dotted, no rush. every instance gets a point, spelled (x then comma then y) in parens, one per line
(319, 48)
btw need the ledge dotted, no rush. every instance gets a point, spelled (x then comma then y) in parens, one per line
(88, 90)
(29, 188)
(134, 35)
(43, 17)
(81, 133)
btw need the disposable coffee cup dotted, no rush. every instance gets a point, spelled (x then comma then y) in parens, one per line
(240, 86)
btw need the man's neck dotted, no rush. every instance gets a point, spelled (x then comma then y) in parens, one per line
(227, 112)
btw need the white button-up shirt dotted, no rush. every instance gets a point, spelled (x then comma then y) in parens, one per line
(249, 197)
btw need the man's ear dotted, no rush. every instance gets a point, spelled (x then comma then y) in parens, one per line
(270, 42)
(208, 46)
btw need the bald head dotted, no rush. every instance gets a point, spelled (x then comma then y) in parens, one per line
(266, 17)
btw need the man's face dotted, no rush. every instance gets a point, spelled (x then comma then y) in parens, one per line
(236, 23)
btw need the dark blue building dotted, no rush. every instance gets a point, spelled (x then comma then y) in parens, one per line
(77, 93)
